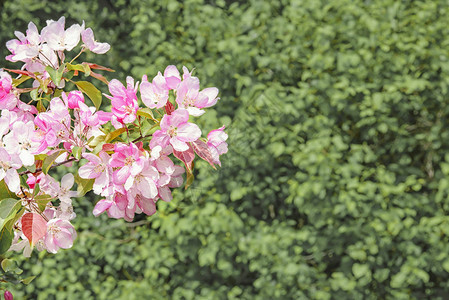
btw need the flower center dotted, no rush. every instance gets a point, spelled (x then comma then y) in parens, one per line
(189, 101)
(53, 230)
(172, 131)
(99, 168)
(61, 133)
(129, 161)
(129, 110)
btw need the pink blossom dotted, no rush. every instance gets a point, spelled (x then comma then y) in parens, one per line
(7, 98)
(172, 77)
(90, 42)
(64, 192)
(48, 185)
(187, 94)
(60, 234)
(8, 170)
(129, 161)
(25, 112)
(155, 94)
(48, 56)
(20, 141)
(45, 135)
(25, 47)
(88, 116)
(59, 39)
(207, 97)
(176, 130)
(144, 182)
(146, 205)
(116, 206)
(216, 141)
(123, 100)
(186, 74)
(176, 179)
(189, 97)
(98, 168)
(73, 99)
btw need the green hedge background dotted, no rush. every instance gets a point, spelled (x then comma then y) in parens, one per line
(337, 178)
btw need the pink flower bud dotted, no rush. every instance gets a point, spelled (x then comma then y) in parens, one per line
(8, 295)
(74, 98)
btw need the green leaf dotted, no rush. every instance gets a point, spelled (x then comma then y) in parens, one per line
(42, 201)
(69, 75)
(49, 160)
(31, 168)
(146, 113)
(56, 75)
(84, 185)
(44, 84)
(6, 236)
(28, 279)
(78, 67)
(86, 68)
(113, 135)
(91, 91)
(20, 80)
(5, 192)
(8, 210)
(360, 270)
(77, 151)
(34, 94)
(9, 265)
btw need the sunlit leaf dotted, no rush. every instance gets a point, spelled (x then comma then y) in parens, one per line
(91, 91)
(34, 227)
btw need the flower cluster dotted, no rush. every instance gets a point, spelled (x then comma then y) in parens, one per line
(132, 156)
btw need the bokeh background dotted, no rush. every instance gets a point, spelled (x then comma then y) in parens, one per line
(337, 178)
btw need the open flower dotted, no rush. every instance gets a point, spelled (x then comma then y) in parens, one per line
(60, 234)
(123, 100)
(155, 94)
(91, 44)
(216, 141)
(7, 98)
(98, 168)
(59, 39)
(176, 130)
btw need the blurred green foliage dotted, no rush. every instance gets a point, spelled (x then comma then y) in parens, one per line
(337, 179)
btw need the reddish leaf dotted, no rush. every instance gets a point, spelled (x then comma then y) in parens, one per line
(20, 72)
(203, 151)
(186, 157)
(34, 227)
(98, 67)
(99, 77)
(108, 147)
(140, 146)
(169, 108)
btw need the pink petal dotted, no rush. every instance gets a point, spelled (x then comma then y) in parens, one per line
(101, 206)
(189, 132)
(178, 145)
(179, 116)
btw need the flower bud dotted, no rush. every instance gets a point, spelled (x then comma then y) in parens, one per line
(74, 98)
(8, 295)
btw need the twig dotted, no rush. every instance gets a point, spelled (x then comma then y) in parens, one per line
(53, 166)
